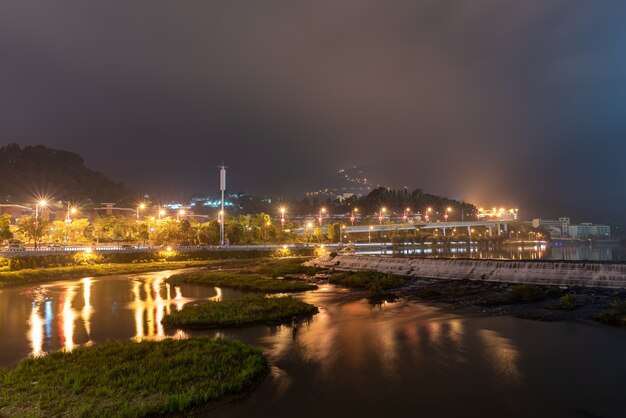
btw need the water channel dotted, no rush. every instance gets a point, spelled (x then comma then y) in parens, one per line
(352, 359)
(526, 251)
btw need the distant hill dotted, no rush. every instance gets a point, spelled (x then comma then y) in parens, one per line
(30, 171)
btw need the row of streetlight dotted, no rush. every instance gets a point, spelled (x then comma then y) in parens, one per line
(380, 214)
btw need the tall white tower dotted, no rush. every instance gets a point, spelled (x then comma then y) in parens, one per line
(222, 189)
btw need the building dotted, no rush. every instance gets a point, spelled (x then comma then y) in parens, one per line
(109, 209)
(557, 228)
(590, 231)
(562, 228)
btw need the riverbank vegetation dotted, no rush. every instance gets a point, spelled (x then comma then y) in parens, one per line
(527, 293)
(249, 310)
(91, 264)
(245, 282)
(616, 315)
(377, 284)
(247, 257)
(129, 379)
(26, 276)
(367, 280)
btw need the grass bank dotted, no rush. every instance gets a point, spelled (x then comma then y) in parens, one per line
(376, 283)
(287, 266)
(368, 280)
(239, 312)
(26, 276)
(616, 315)
(128, 379)
(245, 282)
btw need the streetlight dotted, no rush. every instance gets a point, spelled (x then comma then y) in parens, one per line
(282, 216)
(369, 234)
(141, 206)
(448, 210)
(322, 212)
(353, 215)
(161, 213)
(381, 215)
(42, 203)
(68, 220)
(405, 215)
(179, 214)
(428, 210)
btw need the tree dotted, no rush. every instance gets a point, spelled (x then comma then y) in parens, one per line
(209, 233)
(234, 232)
(32, 228)
(333, 232)
(113, 228)
(5, 228)
(167, 231)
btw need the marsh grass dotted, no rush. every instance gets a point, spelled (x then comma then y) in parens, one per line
(248, 310)
(38, 275)
(526, 293)
(614, 316)
(129, 379)
(287, 266)
(240, 281)
(370, 280)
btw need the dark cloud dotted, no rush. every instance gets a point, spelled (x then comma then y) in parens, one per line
(489, 100)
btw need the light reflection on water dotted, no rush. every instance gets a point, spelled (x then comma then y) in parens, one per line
(596, 252)
(61, 315)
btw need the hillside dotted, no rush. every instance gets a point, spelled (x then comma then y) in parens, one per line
(31, 171)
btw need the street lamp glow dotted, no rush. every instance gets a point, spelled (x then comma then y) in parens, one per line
(42, 203)
(381, 215)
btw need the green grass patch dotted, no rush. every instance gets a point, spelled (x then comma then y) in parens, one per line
(376, 283)
(368, 280)
(248, 310)
(287, 266)
(616, 315)
(129, 379)
(525, 293)
(239, 281)
(26, 276)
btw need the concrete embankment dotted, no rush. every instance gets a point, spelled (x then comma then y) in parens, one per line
(560, 273)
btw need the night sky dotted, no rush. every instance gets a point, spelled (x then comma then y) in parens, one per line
(497, 102)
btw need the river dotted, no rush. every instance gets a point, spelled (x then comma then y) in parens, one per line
(352, 359)
(525, 251)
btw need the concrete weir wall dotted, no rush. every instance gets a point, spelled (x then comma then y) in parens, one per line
(560, 273)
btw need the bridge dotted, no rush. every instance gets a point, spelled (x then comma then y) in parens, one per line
(492, 226)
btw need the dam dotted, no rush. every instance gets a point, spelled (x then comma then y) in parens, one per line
(558, 273)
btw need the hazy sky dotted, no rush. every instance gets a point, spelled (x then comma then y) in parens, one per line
(498, 102)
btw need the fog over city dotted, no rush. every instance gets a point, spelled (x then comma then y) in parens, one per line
(504, 103)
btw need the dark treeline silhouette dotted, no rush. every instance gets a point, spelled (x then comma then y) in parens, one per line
(394, 201)
(37, 171)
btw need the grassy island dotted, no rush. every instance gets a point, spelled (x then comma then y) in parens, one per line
(128, 379)
(370, 280)
(248, 310)
(616, 315)
(245, 282)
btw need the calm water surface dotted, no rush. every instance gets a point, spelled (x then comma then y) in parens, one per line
(514, 252)
(352, 359)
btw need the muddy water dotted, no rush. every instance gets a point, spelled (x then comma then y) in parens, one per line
(352, 359)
